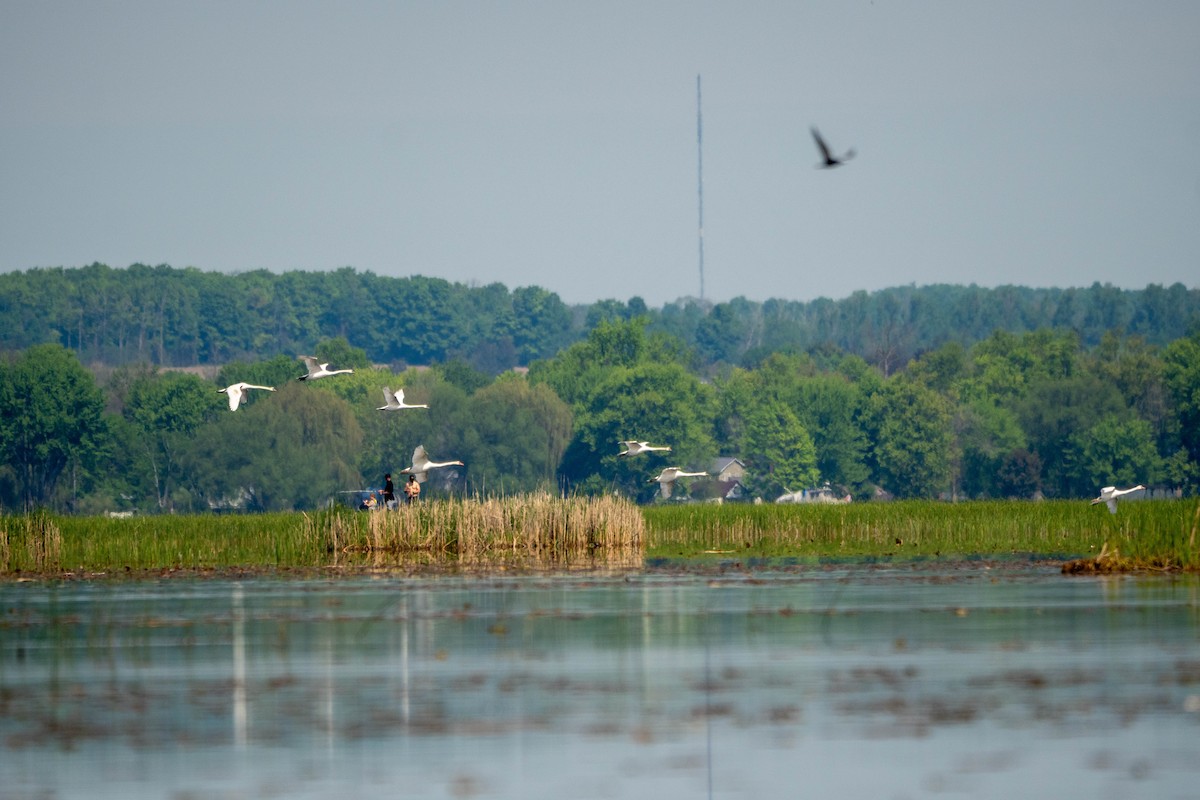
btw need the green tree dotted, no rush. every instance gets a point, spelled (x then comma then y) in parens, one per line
(292, 453)
(166, 410)
(779, 453)
(652, 401)
(1181, 372)
(575, 373)
(1115, 451)
(51, 420)
(514, 436)
(912, 442)
(829, 407)
(1056, 410)
(986, 434)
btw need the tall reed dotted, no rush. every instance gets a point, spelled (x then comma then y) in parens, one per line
(29, 542)
(534, 524)
(1148, 530)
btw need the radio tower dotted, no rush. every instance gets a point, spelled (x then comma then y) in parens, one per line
(700, 179)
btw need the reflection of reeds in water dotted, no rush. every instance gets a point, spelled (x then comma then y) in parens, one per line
(536, 525)
(30, 541)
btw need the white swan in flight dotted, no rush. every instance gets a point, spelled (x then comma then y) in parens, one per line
(316, 370)
(1109, 495)
(637, 448)
(236, 391)
(394, 401)
(421, 464)
(666, 479)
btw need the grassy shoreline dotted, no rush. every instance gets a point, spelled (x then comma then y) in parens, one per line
(555, 533)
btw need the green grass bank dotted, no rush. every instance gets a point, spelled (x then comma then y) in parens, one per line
(553, 532)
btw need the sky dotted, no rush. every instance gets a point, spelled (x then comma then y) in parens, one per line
(1038, 143)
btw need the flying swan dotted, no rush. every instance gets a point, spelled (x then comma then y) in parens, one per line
(421, 464)
(1109, 495)
(637, 448)
(316, 370)
(666, 479)
(236, 391)
(394, 401)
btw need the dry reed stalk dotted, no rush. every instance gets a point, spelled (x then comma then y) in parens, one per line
(521, 524)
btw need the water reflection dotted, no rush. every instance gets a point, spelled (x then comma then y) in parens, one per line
(854, 681)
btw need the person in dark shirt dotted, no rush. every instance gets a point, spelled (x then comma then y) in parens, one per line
(389, 492)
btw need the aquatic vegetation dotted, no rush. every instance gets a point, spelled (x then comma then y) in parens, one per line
(1157, 532)
(31, 539)
(541, 530)
(533, 524)
(538, 526)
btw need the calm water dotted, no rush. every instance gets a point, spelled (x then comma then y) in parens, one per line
(949, 681)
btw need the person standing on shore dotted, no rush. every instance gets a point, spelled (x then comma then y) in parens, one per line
(412, 489)
(389, 492)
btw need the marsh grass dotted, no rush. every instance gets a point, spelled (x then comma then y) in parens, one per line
(538, 527)
(544, 531)
(29, 541)
(1149, 532)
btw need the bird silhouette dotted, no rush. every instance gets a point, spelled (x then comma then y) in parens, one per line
(1109, 495)
(318, 370)
(830, 160)
(394, 401)
(236, 391)
(421, 464)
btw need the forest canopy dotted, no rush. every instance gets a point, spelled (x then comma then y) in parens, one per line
(172, 317)
(109, 401)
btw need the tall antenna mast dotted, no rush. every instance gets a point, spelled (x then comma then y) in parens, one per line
(700, 179)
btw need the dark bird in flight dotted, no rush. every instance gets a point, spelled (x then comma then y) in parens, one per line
(830, 159)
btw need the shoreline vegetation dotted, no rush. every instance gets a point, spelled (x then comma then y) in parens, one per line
(540, 531)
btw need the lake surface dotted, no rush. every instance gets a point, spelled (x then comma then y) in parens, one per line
(966, 680)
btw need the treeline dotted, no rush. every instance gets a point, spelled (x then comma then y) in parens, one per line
(177, 317)
(1013, 415)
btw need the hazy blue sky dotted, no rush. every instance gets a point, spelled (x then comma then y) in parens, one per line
(1042, 143)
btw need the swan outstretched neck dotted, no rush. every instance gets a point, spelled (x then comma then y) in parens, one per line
(237, 390)
(319, 370)
(1109, 495)
(421, 464)
(637, 448)
(394, 401)
(666, 479)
